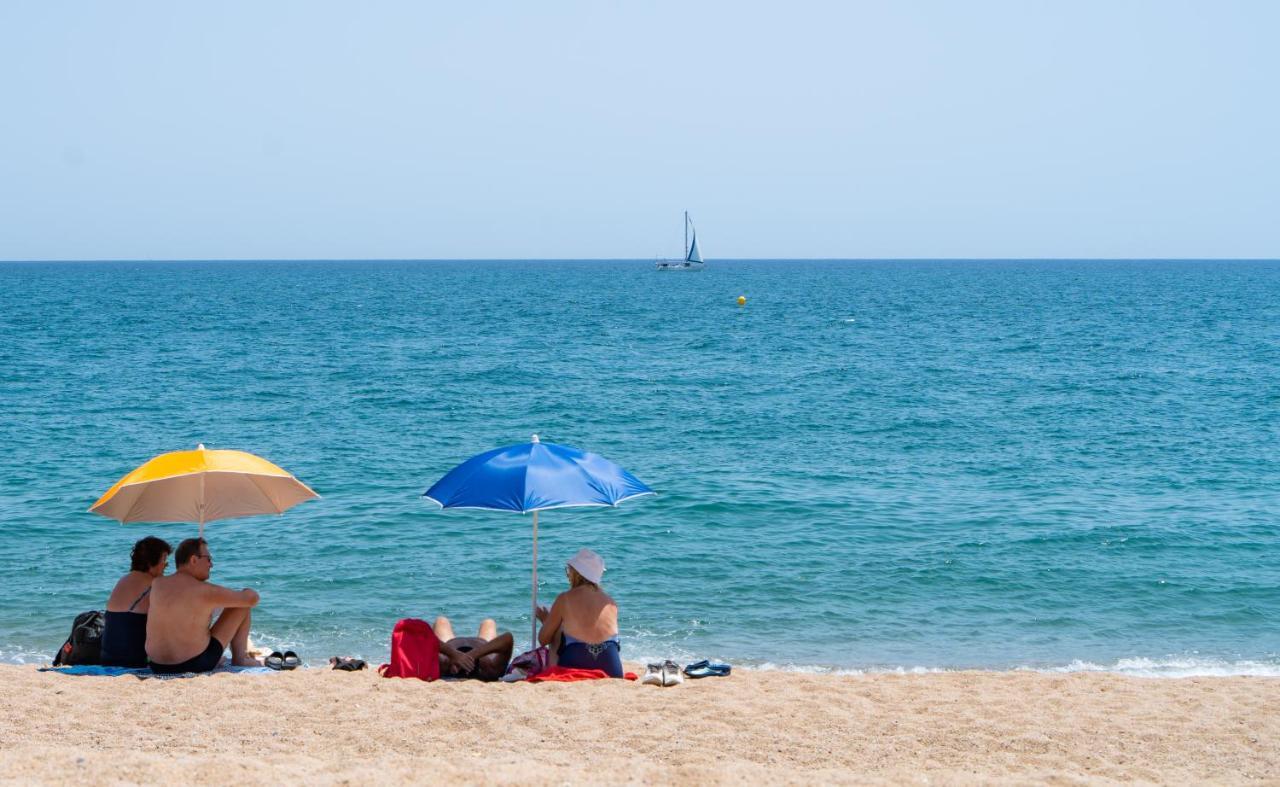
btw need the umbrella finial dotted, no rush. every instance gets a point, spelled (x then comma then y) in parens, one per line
(535, 439)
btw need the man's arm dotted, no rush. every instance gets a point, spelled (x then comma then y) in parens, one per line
(462, 661)
(218, 596)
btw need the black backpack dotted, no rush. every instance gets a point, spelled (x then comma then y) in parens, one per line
(84, 646)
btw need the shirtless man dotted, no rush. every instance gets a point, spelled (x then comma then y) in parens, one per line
(179, 638)
(483, 657)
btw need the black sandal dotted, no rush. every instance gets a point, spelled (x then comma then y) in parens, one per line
(274, 661)
(290, 660)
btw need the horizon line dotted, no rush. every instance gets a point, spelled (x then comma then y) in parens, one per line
(164, 260)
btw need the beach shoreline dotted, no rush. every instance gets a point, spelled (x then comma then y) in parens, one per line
(323, 727)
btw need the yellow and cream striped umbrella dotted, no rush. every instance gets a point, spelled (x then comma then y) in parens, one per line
(201, 486)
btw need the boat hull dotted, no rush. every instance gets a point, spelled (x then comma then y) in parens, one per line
(679, 265)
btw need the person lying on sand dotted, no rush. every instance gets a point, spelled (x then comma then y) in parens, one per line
(179, 638)
(483, 657)
(582, 624)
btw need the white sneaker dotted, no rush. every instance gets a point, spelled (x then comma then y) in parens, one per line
(671, 673)
(652, 675)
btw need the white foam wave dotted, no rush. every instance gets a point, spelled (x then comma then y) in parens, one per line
(1175, 667)
(812, 669)
(22, 656)
(1140, 667)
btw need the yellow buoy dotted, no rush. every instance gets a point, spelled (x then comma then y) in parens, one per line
(742, 300)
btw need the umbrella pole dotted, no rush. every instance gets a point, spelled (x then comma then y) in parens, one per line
(200, 534)
(534, 643)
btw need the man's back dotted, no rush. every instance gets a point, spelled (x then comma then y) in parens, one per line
(178, 623)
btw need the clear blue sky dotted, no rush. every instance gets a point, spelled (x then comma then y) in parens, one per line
(157, 130)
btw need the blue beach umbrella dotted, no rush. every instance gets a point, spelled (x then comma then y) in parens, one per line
(533, 477)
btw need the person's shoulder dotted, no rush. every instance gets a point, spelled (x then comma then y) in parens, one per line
(170, 581)
(122, 587)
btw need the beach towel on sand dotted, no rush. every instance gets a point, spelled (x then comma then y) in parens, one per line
(415, 651)
(571, 675)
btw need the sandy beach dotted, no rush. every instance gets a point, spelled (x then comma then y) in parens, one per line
(323, 727)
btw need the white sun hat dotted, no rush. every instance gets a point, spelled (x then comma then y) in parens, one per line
(588, 564)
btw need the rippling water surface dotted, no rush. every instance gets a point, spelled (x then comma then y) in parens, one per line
(873, 465)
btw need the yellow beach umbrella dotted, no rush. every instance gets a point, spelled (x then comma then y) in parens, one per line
(201, 486)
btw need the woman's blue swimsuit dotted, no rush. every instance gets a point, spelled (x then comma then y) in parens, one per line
(606, 656)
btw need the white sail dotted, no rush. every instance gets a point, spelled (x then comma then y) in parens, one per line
(694, 255)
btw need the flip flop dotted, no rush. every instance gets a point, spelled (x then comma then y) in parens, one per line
(274, 661)
(290, 660)
(347, 664)
(707, 669)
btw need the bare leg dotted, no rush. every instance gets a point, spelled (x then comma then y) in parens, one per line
(232, 629)
(488, 629)
(443, 629)
(240, 645)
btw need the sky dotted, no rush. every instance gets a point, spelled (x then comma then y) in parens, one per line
(318, 130)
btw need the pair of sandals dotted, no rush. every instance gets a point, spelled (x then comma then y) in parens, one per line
(282, 661)
(665, 674)
(707, 669)
(347, 663)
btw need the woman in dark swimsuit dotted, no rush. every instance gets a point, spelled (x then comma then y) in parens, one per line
(124, 636)
(583, 621)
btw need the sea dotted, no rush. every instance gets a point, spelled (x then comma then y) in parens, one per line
(872, 465)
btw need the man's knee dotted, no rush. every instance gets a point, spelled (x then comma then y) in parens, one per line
(229, 622)
(441, 622)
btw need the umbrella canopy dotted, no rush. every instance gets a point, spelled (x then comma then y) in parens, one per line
(533, 477)
(201, 486)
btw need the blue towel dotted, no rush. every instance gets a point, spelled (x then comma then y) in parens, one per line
(144, 673)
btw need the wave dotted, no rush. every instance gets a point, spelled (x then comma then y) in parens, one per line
(1176, 667)
(1138, 667)
(24, 656)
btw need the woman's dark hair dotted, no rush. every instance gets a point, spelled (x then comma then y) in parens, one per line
(188, 549)
(147, 552)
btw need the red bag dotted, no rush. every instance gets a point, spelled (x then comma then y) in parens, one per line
(415, 651)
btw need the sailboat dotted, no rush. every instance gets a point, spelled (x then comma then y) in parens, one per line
(692, 257)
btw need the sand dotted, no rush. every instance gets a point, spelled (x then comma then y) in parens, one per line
(322, 727)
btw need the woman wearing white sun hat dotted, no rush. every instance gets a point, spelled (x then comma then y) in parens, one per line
(583, 619)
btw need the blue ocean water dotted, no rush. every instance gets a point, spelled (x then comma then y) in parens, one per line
(873, 465)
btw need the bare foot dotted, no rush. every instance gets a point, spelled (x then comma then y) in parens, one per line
(247, 661)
